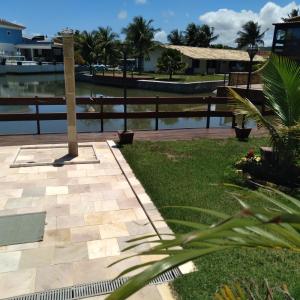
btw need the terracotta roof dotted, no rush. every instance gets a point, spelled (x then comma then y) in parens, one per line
(10, 24)
(214, 54)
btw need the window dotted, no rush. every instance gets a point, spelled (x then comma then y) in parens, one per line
(196, 63)
(280, 35)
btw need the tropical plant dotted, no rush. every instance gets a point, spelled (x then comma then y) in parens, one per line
(140, 34)
(170, 62)
(87, 46)
(261, 227)
(199, 36)
(293, 14)
(250, 35)
(176, 37)
(281, 78)
(106, 41)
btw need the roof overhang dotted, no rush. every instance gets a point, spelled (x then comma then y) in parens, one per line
(214, 54)
(35, 46)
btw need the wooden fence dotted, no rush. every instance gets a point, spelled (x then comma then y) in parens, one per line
(102, 115)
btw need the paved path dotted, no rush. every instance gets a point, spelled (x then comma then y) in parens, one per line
(91, 212)
(161, 135)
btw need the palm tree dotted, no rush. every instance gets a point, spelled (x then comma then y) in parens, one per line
(87, 45)
(281, 77)
(275, 226)
(140, 35)
(250, 35)
(208, 35)
(176, 37)
(106, 42)
(293, 14)
(192, 35)
(199, 36)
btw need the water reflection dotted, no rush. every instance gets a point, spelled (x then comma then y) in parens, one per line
(53, 86)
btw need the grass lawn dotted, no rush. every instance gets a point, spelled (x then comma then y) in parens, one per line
(165, 77)
(181, 173)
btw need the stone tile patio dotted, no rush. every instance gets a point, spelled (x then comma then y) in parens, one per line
(91, 212)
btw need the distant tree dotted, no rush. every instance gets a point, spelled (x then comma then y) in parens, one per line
(220, 46)
(294, 13)
(106, 40)
(250, 35)
(87, 46)
(176, 37)
(170, 62)
(140, 34)
(199, 36)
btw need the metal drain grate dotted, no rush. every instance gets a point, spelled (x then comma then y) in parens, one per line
(93, 289)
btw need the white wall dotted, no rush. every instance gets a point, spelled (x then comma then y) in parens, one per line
(9, 49)
(31, 69)
(150, 65)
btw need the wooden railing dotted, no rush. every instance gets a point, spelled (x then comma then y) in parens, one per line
(103, 115)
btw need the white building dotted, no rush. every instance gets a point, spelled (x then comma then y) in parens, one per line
(204, 60)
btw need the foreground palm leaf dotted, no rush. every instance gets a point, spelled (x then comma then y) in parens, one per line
(275, 225)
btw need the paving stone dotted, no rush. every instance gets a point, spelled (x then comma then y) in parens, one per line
(57, 236)
(52, 277)
(85, 233)
(113, 230)
(37, 257)
(9, 261)
(70, 253)
(56, 190)
(103, 248)
(34, 192)
(70, 221)
(17, 283)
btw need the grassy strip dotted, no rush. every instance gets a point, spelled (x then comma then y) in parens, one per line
(165, 77)
(182, 173)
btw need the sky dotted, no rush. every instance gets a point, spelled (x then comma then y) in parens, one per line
(227, 17)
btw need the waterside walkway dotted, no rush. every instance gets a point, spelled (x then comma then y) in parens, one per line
(161, 135)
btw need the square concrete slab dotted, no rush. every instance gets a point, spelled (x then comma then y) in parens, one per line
(20, 229)
(29, 156)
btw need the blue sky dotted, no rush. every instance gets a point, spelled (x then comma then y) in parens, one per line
(48, 17)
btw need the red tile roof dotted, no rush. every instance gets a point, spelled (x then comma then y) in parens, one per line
(7, 23)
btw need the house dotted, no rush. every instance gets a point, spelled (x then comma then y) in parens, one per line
(286, 40)
(204, 60)
(15, 47)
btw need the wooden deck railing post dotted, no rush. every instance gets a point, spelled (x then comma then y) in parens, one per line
(208, 113)
(37, 112)
(102, 110)
(233, 120)
(156, 111)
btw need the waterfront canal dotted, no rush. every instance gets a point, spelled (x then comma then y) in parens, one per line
(53, 86)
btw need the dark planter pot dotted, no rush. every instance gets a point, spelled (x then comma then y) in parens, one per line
(267, 155)
(125, 137)
(242, 133)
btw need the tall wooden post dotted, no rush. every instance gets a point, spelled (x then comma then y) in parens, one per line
(68, 47)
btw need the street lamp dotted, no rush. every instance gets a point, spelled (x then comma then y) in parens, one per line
(252, 51)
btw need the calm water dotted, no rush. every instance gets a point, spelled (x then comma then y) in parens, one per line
(53, 85)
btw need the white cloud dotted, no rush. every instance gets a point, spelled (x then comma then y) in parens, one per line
(161, 36)
(140, 1)
(228, 22)
(168, 14)
(123, 14)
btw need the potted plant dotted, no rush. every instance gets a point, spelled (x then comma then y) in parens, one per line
(125, 137)
(241, 132)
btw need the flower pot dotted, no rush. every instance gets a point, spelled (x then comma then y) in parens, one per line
(125, 137)
(242, 133)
